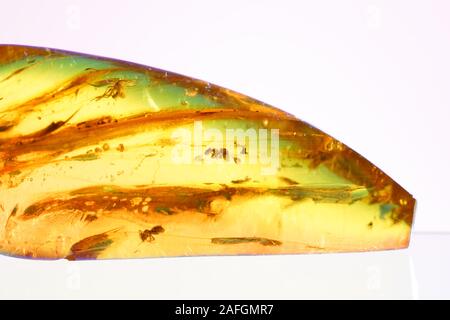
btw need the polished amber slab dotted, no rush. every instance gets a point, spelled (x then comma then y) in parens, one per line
(101, 158)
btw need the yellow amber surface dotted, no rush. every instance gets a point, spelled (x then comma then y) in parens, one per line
(89, 169)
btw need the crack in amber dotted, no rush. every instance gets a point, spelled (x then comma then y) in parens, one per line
(86, 170)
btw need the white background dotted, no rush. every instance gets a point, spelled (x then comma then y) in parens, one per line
(374, 74)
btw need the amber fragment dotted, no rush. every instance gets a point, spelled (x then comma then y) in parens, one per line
(101, 158)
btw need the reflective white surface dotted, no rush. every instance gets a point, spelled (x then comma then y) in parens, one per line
(422, 271)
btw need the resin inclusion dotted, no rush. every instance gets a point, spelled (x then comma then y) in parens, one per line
(87, 169)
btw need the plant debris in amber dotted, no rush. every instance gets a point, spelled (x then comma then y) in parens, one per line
(101, 158)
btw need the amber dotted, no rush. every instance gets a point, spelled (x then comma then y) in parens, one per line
(101, 158)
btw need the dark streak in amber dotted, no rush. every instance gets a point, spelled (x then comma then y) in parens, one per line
(9, 53)
(16, 72)
(170, 200)
(240, 240)
(90, 247)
